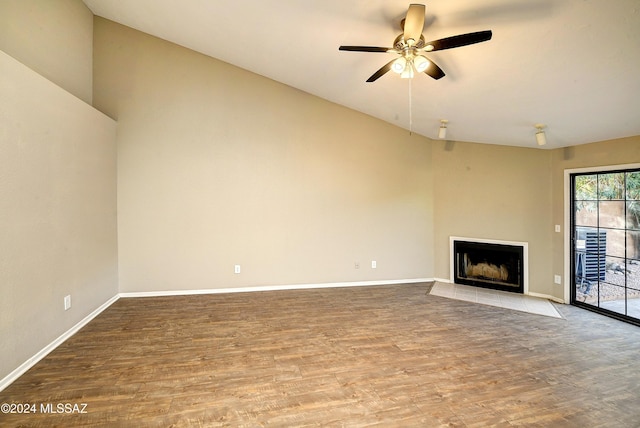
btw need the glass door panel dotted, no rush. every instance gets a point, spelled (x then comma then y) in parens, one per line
(633, 215)
(586, 213)
(585, 187)
(633, 244)
(611, 214)
(611, 186)
(606, 243)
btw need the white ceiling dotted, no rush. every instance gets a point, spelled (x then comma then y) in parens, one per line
(570, 64)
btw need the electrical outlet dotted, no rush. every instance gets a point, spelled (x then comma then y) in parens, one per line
(557, 279)
(558, 228)
(236, 269)
(67, 302)
(374, 264)
(357, 265)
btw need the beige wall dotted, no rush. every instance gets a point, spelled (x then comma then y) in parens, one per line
(218, 166)
(494, 192)
(57, 211)
(53, 38)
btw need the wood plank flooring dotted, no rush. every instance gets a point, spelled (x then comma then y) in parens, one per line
(346, 357)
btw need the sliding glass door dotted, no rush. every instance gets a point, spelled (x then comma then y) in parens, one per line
(605, 243)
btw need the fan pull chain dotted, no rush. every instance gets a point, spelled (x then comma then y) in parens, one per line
(410, 109)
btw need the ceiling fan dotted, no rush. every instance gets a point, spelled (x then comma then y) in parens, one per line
(411, 44)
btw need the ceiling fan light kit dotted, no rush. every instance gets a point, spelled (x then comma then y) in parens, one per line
(405, 67)
(411, 44)
(407, 73)
(399, 65)
(420, 63)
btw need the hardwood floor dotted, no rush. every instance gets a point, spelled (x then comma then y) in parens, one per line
(366, 356)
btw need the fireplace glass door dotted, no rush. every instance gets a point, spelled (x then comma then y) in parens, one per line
(605, 243)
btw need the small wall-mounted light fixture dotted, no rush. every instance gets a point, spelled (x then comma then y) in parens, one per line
(442, 132)
(541, 138)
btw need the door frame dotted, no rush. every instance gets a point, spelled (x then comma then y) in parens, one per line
(567, 216)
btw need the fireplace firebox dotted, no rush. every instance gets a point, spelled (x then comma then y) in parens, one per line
(489, 265)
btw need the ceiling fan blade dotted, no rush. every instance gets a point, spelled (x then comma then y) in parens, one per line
(414, 23)
(434, 71)
(385, 68)
(365, 49)
(457, 41)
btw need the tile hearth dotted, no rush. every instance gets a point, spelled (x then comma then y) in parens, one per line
(501, 299)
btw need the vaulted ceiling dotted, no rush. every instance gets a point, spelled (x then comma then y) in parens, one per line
(572, 65)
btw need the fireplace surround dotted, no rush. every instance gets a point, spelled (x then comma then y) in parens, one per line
(487, 263)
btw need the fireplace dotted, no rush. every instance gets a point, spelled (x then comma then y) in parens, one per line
(499, 265)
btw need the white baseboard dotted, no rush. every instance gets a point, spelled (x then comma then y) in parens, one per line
(271, 288)
(445, 280)
(20, 370)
